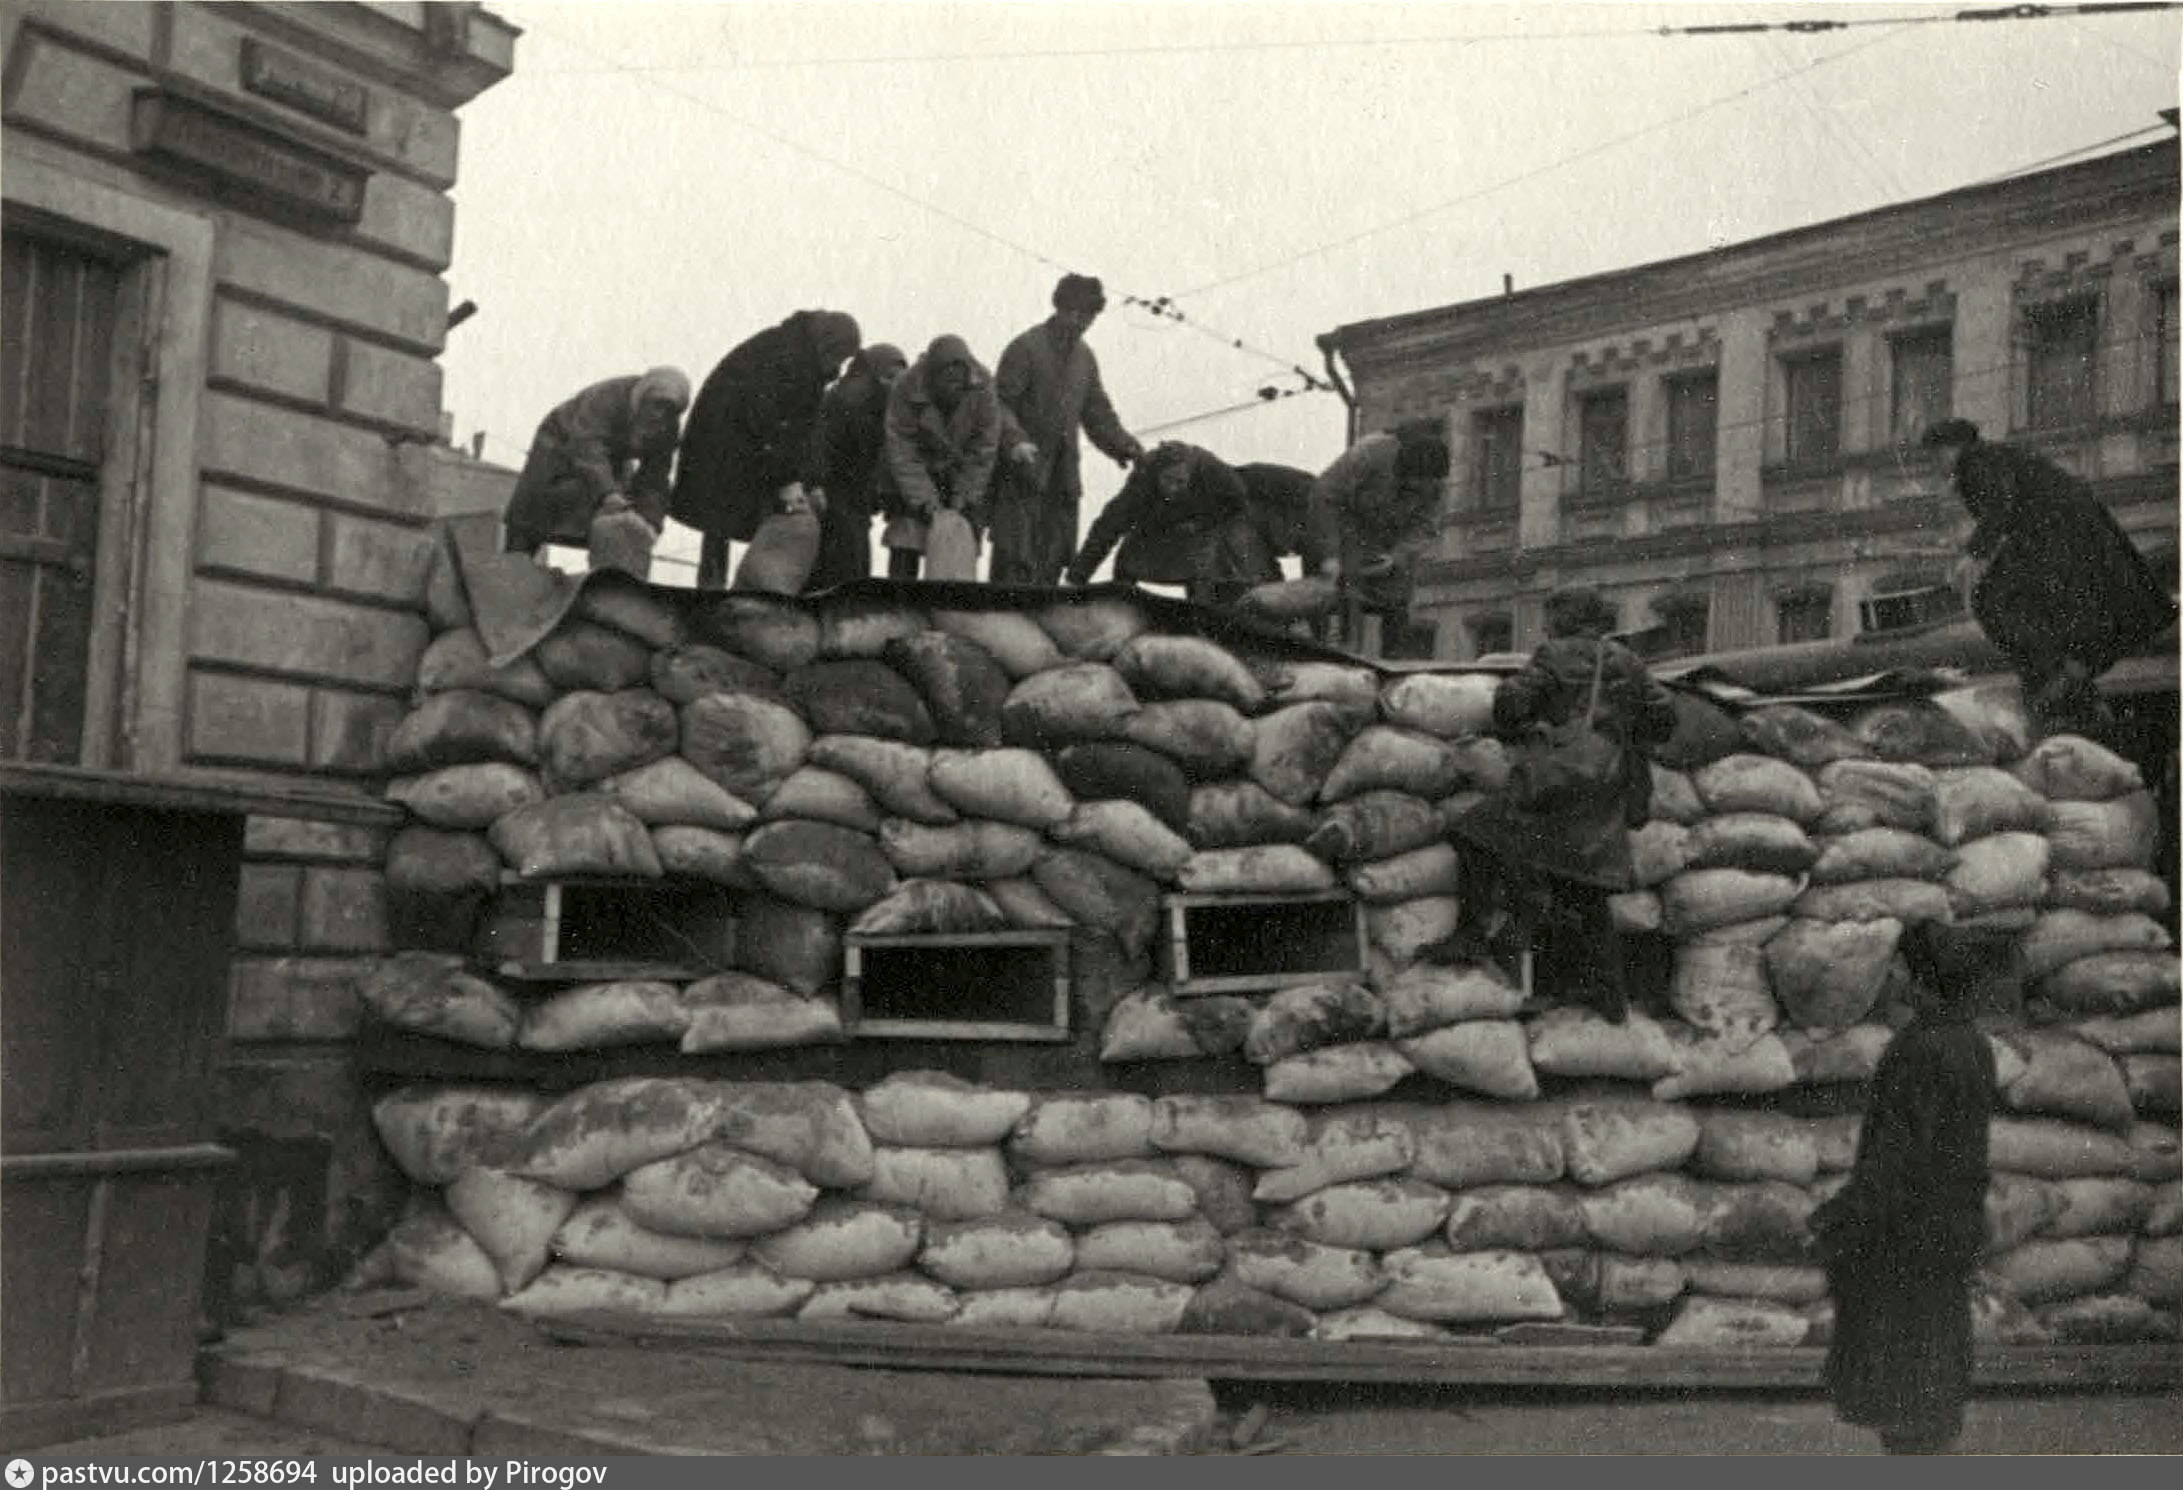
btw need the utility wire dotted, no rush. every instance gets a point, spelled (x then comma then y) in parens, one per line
(2025, 170)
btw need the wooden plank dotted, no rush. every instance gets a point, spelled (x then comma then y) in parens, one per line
(114, 1161)
(959, 939)
(950, 1029)
(1259, 982)
(597, 972)
(1316, 897)
(196, 792)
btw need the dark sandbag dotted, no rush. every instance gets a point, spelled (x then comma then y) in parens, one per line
(587, 737)
(859, 696)
(1093, 628)
(1801, 737)
(1226, 1306)
(1083, 701)
(446, 603)
(466, 797)
(457, 660)
(862, 625)
(1101, 894)
(586, 655)
(821, 865)
(652, 616)
(963, 685)
(1104, 769)
(430, 993)
(745, 743)
(1243, 814)
(431, 862)
(1921, 732)
(1311, 1017)
(587, 833)
(1374, 825)
(694, 669)
(822, 796)
(927, 906)
(1208, 739)
(1294, 749)
(897, 775)
(793, 945)
(775, 634)
(458, 728)
(1704, 732)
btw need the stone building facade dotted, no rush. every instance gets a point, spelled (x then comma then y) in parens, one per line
(1726, 445)
(226, 230)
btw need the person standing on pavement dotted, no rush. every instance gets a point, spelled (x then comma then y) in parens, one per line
(852, 451)
(1167, 517)
(943, 436)
(1375, 514)
(751, 449)
(1048, 382)
(604, 453)
(1902, 1238)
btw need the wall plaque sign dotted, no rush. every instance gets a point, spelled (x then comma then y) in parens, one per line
(246, 158)
(305, 86)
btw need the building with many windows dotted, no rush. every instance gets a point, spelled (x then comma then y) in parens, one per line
(1727, 444)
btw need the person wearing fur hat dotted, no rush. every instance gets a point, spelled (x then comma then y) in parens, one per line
(605, 452)
(943, 437)
(852, 450)
(1048, 381)
(1375, 513)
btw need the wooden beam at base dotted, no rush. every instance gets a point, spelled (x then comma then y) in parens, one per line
(908, 1347)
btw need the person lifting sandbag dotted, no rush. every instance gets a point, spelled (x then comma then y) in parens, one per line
(596, 474)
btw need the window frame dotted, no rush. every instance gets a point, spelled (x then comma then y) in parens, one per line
(1485, 494)
(1592, 486)
(1673, 389)
(1501, 622)
(1794, 366)
(1944, 334)
(2035, 322)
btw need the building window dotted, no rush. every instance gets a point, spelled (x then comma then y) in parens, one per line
(2167, 377)
(1492, 633)
(1603, 443)
(1405, 640)
(1922, 374)
(1497, 458)
(1684, 620)
(1693, 425)
(2061, 353)
(1805, 615)
(1812, 387)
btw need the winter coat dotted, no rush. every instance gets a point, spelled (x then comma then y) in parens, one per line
(1903, 1236)
(585, 449)
(1165, 541)
(1360, 513)
(752, 431)
(1054, 391)
(937, 458)
(1635, 711)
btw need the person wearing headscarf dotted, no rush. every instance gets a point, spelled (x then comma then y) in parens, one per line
(1528, 871)
(605, 451)
(751, 449)
(1374, 515)
(1166, 517)
(1049, 384)
(943, 437)
(2058, 584)
(1901, 1240)
(852, 450)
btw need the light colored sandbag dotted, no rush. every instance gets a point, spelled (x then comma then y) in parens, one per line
(1018, 643)
(1658, 852)
(742, 742)
(1157, 666)
(1754, 1280)
(1222, 1189)
(1070, 1128)
(1127, 834)
(672, 792)
(894, 774)
(1875, 794)
(459, 728)
(2108, 892)
(1523, 1218)
(2043, 1271)
(1243, 814)
(2114, 983)
(1272, 869)
(1370, 1322)
(1311, 1015)
(1375, 824)
(1736, 1145)
(1995, 713)
(1148, 1025)
(1701, 900)
(1082, 701)
(843, 1239)
(1384, 758)
(1576, 1042)
(906, 1298)
(1368, 1215)
(1342, 1145)
(1489, 1056)
(1911, 902)
(2156, 1272)
(562, 1290)
(930, 907)
(1114, 1303)
(572, 836)
(456, 660)
(1823, 1057)
(1828, 974)
(598, 1233)
(737, 1011)
(862, 625)
(1294, 749)
(1880, 853)
(430, 993)
(1722, 989)
(810, 1126)
(2110, 1319)
(2017, 1208)
(1468, 1287)
(2060, 937)
(1338, 1073)
(2098, 1205)
(1027, 907)
(743, 1290)
(1004, 1250)
(975, 850)
(1757, 783)
(1404, 929)
(430, 1250)
(1836, 1138)
(2156, 1151)
(1801, 737)
(1975, 801)
(1446, 704)
(714, 1190)
(2165, 1219)
(945, 1184)
(1244, 1129)
(820, 865)
(2154, 1031)
(1102, 895)
(512, 1218)
(2067, 1077)
(2070, 768)
(1709, 1064)
(1005, 1309)
(596, 1134)
(1607, 1140)
(1180, 1251)
(1756, 841)
(1426, 997)
(467, 797)
(1120, 1190)
(1431, 870)
(1286, 682)
(1754, 933)
(700, 853)
(780, 556)
(1922, 731)
(1998, 872)
(822, 796)
(1207, 739)
(1659, 1215)
(584, 738)
(2055, 1150)
(933, 1109)
(1461, 1144)
(1094, 628)
(2152, 1082)
(1674, 798)
(435, 1133)
(1303, 1271)
(1707, 1323)
(599, 1016)
(2122, 834)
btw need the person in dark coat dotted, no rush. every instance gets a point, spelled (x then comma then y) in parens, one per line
(751, 435)
(2064, 592)
(852, 447)
(1525, 873)
(1274, 523)
(607, 450)
(1902, 1238)
(1374, 515)
(1166, 517)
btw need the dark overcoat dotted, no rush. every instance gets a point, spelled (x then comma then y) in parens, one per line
(752, 431)
(1165, 540)
(583, 450)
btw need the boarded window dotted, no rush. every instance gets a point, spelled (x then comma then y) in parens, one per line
(1813, 394)
(1603, 443)
(1497, 459)
(1492, 633)
(1693, 424)
(1804, 616)
(1922, 376)
(2061, 356)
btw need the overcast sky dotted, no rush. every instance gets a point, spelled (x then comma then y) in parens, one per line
(657, 182)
